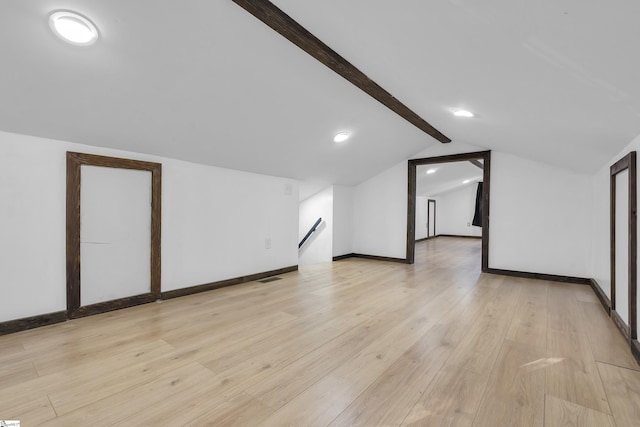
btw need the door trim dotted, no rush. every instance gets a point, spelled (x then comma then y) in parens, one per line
(74, 163)
(627, 162)
(411, 199)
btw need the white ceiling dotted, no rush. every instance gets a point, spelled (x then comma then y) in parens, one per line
(447, 177)
(202, 80)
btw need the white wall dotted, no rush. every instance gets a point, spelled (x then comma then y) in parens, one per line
(540, 217)
(342, 220)
(539, 214)
(380, 209)
(599, 230)
(421, 217)
(455, 210)
(217, 223)
(319, 247)
(214, 223)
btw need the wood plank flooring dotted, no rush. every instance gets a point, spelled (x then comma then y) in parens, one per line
(350, 343)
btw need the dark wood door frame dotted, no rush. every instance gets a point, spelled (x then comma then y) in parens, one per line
(74, 163)
(628, 162)
(429, 201)
(411, 199)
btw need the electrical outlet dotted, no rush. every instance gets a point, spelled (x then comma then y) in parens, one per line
(267, 243)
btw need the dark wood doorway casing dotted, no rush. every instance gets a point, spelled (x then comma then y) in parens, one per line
(435, 233)
(628, 162)
(411, 199)
(74, 163)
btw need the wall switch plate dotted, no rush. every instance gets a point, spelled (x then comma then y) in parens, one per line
(267, 243)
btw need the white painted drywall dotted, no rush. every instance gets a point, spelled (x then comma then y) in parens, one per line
(342, 220)
(599, 229)
(421, 217)
(32, 226)
(214, 223)
(115, 233)
(380, 209)
(539, 217)
(455, 211)
(217, 224)
(319, 246)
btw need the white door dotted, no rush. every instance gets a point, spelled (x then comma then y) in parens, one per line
(115, 233)
(622, 245)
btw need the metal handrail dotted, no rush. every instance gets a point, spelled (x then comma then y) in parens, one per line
(304, 239)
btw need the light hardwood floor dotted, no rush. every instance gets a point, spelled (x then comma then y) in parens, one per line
(355, 342)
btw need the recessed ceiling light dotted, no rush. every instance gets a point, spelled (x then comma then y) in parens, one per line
(462, 113)
(430, 171)
(342, 136)
(73, 28)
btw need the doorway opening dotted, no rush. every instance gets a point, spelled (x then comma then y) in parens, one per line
(431, 218)
(482, 161)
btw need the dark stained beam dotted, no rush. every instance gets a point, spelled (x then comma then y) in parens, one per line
(477, 163)
(275, 18)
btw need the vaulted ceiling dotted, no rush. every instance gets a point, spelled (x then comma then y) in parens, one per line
(435, 179)
(205, 81)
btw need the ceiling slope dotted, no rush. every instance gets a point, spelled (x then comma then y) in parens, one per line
(206, 82)
(549, 80)
(445, 177)
(279, 21)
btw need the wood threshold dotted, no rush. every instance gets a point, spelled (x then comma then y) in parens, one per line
(371, 257)
(447, 235)
(286, 26)
(380, 258)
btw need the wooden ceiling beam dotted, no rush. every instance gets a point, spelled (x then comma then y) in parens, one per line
(477, 163)
(279, 21)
